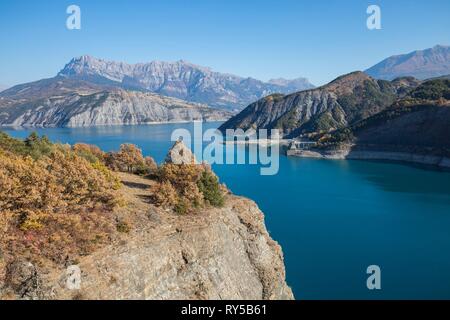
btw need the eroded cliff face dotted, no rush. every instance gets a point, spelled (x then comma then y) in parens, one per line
(116, 107)
(220, 253)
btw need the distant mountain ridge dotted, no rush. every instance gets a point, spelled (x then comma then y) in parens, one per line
(64, 102)
(421, 64)
(180, 79)
(345, 100)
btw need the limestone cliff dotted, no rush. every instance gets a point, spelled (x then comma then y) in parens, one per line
(83, 108)
(220, 253)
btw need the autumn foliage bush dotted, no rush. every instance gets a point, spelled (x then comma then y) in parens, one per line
(129, 158)
(54, 203)
(89, 152)
(187, 187)
(57, 201)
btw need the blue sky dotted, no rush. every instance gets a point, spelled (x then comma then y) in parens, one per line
(264, 39)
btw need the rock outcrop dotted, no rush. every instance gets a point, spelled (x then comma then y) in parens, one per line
(180, 154)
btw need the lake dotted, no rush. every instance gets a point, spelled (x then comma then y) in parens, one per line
(333, 218)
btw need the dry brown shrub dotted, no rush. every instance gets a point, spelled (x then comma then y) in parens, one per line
(187, 187)
(165, 195)
(89, 152)
(55, 208)
(130, 156)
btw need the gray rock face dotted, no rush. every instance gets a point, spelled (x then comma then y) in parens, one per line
(223, 253)
(116, 107)
(182, 80)
(180, 154)
(421, 64)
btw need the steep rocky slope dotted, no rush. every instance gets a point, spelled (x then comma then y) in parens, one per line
(219, 253)
(180, 79)
(74, 103)
(415, 129)
(347, 99)
(421, 64)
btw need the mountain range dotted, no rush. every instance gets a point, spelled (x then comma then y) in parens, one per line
(180, 79)
(421, 64)
(91, 92)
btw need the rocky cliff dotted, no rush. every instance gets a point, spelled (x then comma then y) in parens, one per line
(219, 253)
(66, 103)
(347, 99)
(180, 79)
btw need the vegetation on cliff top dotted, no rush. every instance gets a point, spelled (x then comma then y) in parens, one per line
(54, 203)
(58, 202)
(187, 187)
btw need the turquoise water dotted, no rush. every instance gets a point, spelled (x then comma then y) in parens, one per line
(332, 218)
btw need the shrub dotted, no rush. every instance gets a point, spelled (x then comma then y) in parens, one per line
(187, 187)
(91, 153)
(165, 195)
(33, 146)
(110, 177)
(123, 227)
(54, 204)
(130, 159)
(183, 206)
(151, 165)
(38, 146)
(82, 184)
(210, 187)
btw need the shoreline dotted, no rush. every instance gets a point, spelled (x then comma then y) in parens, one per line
(10, 126)
(260, 142)
(438, 161)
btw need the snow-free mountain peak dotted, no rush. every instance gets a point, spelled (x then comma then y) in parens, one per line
(181, 79)
(421, 64)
